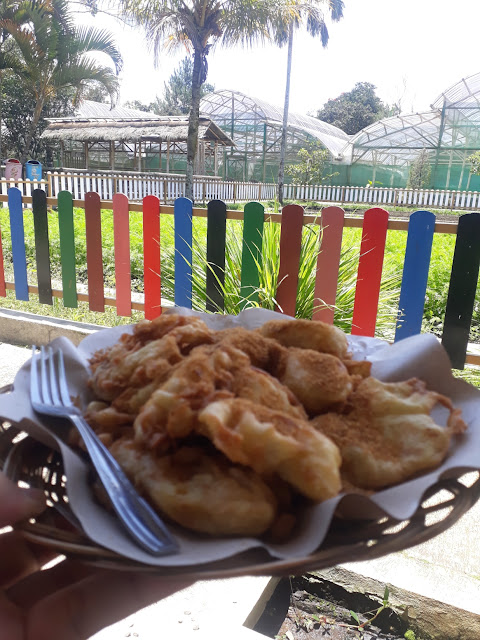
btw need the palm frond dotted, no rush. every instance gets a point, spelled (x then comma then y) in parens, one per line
(91, 40)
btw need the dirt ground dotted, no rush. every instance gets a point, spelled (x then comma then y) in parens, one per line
(305, 608)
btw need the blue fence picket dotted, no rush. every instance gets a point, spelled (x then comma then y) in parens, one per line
(17, 235)
(421, 227)
(183, 212)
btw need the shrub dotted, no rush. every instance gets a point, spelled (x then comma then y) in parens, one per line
(268, 277)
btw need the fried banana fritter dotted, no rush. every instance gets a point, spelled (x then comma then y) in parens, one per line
(386, 434)
(200, 490)
(224, 430)
(209, 374)
(269, 442)
(263, 352)
(318, 380)
(146, 355)
(307, 334)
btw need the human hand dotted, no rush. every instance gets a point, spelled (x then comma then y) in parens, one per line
(69, 601)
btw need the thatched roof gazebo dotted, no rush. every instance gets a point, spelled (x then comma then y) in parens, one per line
(98, 137)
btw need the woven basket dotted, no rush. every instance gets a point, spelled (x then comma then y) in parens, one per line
(27, 460)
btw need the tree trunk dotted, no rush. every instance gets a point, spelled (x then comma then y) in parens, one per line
(31, 129)
(192, 140)
(283, 143)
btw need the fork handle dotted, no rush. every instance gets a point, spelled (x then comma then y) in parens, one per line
(135, 513)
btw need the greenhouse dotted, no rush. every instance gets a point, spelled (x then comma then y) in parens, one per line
(239, 139)
(380, 154)
(449, 133)
(256, 129)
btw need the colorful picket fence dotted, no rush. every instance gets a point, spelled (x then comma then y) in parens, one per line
(375, 224)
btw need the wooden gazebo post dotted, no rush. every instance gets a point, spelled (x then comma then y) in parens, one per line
(112, 154)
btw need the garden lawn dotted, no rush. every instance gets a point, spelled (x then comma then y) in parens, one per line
(438, 281)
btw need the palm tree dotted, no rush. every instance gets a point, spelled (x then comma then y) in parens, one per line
(197, 25)
(311, 14)
(9, 10)
(52, 54)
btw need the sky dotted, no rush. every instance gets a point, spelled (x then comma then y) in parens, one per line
(411, 51)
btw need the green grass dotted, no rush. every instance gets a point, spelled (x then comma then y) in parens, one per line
(352, 209)
(80, 314)
(438, 280)
(469, 374)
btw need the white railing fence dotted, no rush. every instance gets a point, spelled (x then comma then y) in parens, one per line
(169, 187)
(166, 187)
(432, 198)
(25, 186)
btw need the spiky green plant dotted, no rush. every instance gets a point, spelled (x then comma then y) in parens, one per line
(268, 277)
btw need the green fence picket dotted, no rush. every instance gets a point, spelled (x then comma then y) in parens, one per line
(67, 249)
(216, 229)
(253, 222)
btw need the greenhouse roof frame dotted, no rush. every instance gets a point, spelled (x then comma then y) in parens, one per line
(451, 129)
(253, 111)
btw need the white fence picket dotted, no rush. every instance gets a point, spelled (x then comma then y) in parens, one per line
(169, 187)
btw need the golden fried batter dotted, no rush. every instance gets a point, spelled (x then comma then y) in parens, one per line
(200, 490)
(189, 331)
(269, 442)
(148, 354)
(264, 353)
(307, 334)
(170, 411)
(265, 390)
(386, 433)
(209, 374)
(213, 426)
(318, 380)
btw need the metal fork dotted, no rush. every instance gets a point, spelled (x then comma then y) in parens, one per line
(49, 395)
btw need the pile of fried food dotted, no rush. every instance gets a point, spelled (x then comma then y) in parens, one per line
(230, 432)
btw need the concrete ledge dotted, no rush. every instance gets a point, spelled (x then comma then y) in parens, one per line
(20, 328)
(213, 610)
(425, 616)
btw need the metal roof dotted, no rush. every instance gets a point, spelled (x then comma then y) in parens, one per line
(403, 136)
(221, 104)
(88, 109)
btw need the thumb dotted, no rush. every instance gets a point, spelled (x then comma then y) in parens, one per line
(17, 504)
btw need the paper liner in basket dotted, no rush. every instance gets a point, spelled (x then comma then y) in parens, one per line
(420, 356)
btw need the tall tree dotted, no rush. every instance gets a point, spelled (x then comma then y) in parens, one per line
(311, 14)
(52, 54)
(17, 103)
(9, 10)
(96, 92)
(177, 94)
(354, 110)
(141, 106)
(198, 25)
(420, 171)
